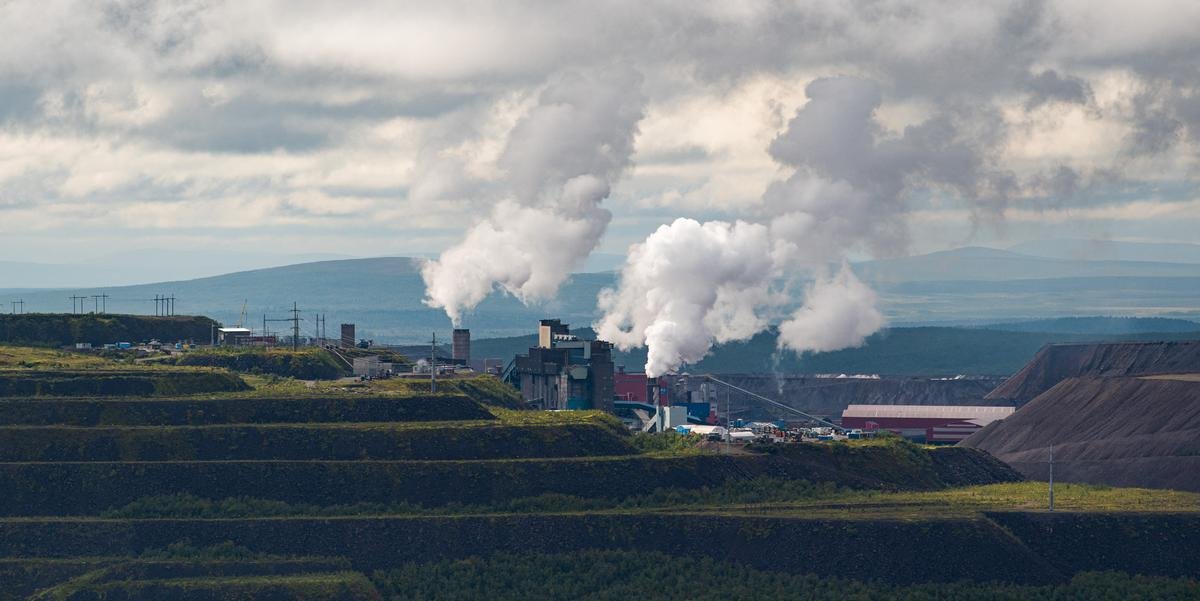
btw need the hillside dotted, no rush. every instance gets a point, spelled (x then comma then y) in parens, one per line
(1120, 431)
(383, 295)
(338, 490)
(65, 330)
(989, 264)
(898, 351)
(830, 396)
(1097, 325)
(1110, 250)
(1057, 362)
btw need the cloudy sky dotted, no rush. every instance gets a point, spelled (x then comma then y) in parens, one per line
(308, 127)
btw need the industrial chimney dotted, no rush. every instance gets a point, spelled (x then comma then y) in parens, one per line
(461, 348)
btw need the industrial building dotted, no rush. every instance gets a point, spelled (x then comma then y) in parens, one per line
(460, 348)
(931, 423)
(565, 372)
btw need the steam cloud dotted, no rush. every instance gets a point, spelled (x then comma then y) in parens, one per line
(561, 160)
(690, 285)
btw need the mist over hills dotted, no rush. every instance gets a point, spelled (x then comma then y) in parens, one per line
(1078, 249)
(142, 266)
(383, 296)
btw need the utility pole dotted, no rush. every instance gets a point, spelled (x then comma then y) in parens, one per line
(1051, 477)
(171, 305)
(77, 301)
(433, 364)
(295, 327)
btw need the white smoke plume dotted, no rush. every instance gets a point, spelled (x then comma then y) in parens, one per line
(560, 161)
(838, 312)
(687, 285)
(690, 285)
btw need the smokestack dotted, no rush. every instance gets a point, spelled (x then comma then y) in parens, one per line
(461, 349)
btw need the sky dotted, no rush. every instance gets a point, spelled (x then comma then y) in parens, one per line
(389, 128)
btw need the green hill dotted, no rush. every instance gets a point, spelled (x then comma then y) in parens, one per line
(383, 296)
(895, 351)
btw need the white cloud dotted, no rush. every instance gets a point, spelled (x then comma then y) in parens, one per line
(395, 115)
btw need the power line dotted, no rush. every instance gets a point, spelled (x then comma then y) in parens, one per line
(77, 300)
(295, 327)
(433, 364)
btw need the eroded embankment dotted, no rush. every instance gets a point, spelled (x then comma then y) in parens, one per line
(1119, 431)
(93, 487)
(249, 410)
(898, 551)
(1015, 547)
(1057, 362)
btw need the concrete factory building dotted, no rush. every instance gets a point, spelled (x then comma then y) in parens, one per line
(932, 423)
(460, 347)
(565, 372)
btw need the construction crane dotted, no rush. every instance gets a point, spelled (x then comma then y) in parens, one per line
(242, 319)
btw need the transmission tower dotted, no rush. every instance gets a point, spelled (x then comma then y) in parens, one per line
(295, 327)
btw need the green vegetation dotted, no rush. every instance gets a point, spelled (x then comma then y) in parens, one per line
(336, 586)
(667, 443)
(241, 408)
(485, 389)
(761, 495)
(620, 575)
(113, 382)
(895, 351)
(486, 439)
(226, 495)
(26, 357)
(55, 330)
(755, 491)
(34, 487)
(303, 364)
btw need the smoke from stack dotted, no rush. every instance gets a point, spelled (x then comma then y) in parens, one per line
(560, 161)
(690, 285)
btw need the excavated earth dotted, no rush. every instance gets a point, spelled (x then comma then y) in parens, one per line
(1121, 431)
(1057, 362)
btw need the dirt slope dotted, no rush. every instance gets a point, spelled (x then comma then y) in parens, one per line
(1121, 431)
(1057, 362)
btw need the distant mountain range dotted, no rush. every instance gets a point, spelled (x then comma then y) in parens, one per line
(989, 264)
(967, 286)
(144, 266)
(1110, 250)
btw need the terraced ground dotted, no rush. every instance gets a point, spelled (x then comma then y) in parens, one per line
(294, 491)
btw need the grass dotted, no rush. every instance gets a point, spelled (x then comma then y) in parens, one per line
(612, 575)
(333, 586)
(758, 496)
(24, 357)
(972, 500)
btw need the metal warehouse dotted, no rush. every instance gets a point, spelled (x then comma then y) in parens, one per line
(933, 423)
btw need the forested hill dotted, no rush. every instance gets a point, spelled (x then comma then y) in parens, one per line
(896, 351)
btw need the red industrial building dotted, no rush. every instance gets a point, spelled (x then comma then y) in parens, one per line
(933, 423)
(637, 388)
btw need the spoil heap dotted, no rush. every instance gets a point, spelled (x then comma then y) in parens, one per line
(1124, 414)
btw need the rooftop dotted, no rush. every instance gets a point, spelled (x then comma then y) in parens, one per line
(966, 412)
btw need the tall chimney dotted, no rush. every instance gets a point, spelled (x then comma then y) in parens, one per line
(461, 348)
